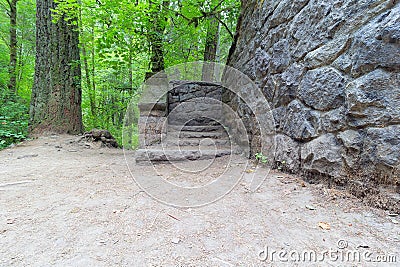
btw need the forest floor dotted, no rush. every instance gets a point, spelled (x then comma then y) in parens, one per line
(64, 204)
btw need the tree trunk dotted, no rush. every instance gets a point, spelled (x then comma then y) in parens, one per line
(210, 50)
(91, 91)
(155, 37)
(56, 93)
(130, 69)
(12, 84)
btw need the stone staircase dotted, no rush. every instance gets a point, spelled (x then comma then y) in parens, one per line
(187, 129)
(189, 143)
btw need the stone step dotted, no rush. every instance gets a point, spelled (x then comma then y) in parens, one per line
(202, 128)
(199, 135)
(193, 122)
(196, 142)
(158, 154)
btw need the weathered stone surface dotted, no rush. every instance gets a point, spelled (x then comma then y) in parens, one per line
(374, 99)
(322, 89)
(195, 103)
(334, 120)
(300, 123)
(177, 154)
(327, 53)
(322, 155)
(377, 44)
(190, 130)
(330, 70)
(280, 57)
(285, 11)
(353, 143)
(285, 85)
(262, 60)
(382, 148)
(287, 155)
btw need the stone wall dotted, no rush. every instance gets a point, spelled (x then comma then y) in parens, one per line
(330, 70)
(181, 103)
(194, 103)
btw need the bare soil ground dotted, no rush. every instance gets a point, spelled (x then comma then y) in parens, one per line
(64, 204)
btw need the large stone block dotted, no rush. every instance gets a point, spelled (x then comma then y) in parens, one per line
(284, 86)
(334, 120)
(352, 142)
(300, 123)
(323, 156)
(280, 57)
(287, 153)
(382, 148)
(377, 44)
(323, 89)
(374, 99)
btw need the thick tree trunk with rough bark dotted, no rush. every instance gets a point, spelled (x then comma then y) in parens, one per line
(12, 84)
(56, 93)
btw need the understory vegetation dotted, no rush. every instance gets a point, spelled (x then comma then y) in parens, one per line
(120, 44)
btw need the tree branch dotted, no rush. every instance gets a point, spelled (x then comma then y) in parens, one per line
(225, 26)
(204, 15)
(215, 8)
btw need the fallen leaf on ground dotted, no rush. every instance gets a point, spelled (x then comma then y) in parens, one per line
(75, 210)
(324, 225)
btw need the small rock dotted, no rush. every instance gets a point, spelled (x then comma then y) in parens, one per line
(175, 240)
(310, 207)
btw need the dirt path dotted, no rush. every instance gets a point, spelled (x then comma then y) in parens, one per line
(66, 205)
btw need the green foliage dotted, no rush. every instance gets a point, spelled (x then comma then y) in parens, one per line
(13, 119)
(14, 108)
(26, 46)
(260, 157)
(116, 52)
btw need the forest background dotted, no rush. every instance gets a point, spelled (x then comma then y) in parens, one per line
(121, 44)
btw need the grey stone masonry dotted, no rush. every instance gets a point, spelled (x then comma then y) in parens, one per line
(330, 70)
(186, 124)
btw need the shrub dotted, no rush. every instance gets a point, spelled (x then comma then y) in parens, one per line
(13, 119)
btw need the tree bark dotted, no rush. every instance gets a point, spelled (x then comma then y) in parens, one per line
(155, 37)
(56, 93)
(12, 84)
(211, 48)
